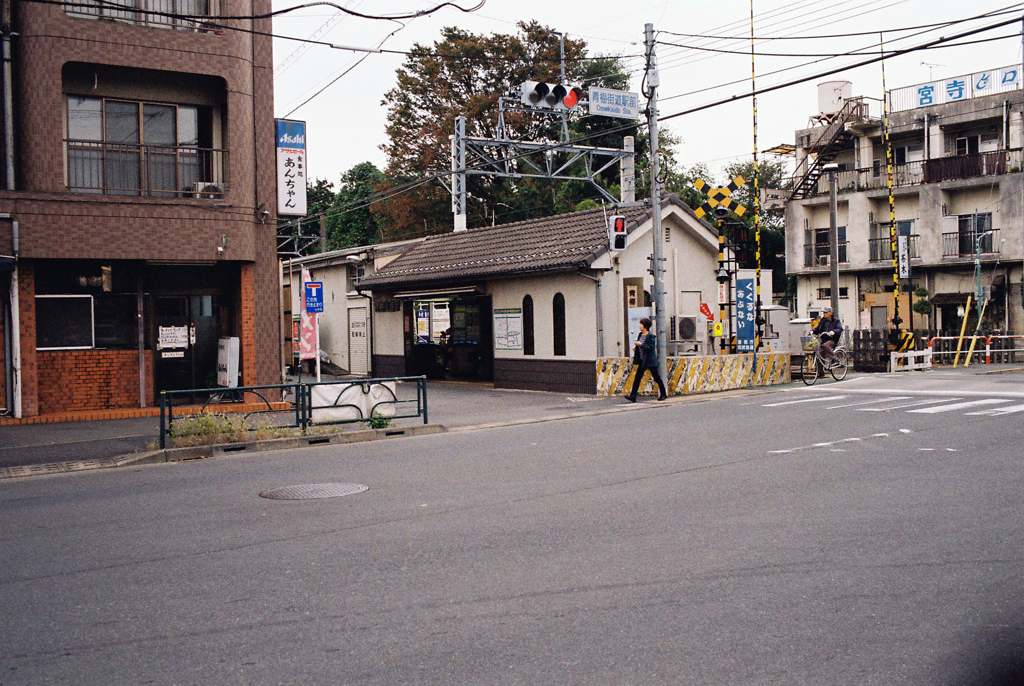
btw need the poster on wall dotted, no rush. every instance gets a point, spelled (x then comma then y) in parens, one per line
(508, 328)
(291, 168)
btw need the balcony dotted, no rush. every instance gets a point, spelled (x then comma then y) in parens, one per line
(148, 170)
(817, 254)
(968, 243)
(141, 13)
(926, 171)
(880, 249)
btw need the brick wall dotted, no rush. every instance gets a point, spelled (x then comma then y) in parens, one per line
(91, 379)
(27, 322)
(562, 376)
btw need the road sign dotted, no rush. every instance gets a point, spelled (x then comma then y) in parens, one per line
(717, 329)
(745, 314)
(719, 197)
(314, 296)
(706, 311)
(612, 103)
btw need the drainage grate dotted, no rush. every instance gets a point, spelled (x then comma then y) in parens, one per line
(311, 491)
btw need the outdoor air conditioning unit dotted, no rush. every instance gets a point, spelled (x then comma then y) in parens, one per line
(207, 190)
(686, 328)
(823, 260)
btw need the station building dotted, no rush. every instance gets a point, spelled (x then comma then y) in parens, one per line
(535, 304)
(137, 202)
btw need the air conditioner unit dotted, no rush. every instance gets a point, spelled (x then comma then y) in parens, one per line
(686, 328)
(207, 190)
(823, 260)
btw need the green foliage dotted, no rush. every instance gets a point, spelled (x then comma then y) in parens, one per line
(431, 92)
(923, 307)
(353, 221)
(921, 292)
(379, 421)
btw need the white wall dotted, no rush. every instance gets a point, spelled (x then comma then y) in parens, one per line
(580, 314)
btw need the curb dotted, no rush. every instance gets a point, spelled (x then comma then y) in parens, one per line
(202, 452)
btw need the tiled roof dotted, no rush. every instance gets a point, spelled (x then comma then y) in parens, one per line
(558, 243)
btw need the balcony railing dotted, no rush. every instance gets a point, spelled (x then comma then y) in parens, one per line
(817, 254)
(153, 170)
(968, 243)
(925, 171)
(881, 248)
(143, 13)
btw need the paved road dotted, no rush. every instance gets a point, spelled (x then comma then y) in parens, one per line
(775, 537)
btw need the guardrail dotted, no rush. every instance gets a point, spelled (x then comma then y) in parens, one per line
(301, 404)
(998, 349)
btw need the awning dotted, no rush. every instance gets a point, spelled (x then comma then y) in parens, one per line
(950, 298)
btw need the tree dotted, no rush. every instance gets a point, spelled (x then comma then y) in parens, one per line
(464, 74)
(770, 174)
(352, 219)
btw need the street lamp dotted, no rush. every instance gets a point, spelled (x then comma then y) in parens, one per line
(977, 267)
(833, 232)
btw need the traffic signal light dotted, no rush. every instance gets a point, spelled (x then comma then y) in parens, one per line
(617, 233)
(551, 95)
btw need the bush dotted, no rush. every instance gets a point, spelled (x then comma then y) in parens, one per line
(379, 421)
(921, 292)
(923, 307)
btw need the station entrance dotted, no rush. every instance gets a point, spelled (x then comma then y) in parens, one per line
(450, 337)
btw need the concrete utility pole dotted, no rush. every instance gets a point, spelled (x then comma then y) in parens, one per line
(661, 325)
(833, 234)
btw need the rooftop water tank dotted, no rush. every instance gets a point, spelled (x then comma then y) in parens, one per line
(832, 95)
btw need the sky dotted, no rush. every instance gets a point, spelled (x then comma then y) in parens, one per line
(346, 121)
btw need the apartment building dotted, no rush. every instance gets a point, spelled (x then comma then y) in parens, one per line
(959, 203)
(137, 203)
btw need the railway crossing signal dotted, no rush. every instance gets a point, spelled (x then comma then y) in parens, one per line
(719, 198)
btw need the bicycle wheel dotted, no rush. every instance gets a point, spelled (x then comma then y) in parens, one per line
(840, 365)
(809, 368)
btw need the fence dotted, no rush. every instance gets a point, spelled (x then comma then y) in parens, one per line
(303, 404)
(987, 349)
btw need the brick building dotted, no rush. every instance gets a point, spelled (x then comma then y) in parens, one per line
(137, 200)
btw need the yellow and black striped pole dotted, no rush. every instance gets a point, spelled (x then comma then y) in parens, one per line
(758, 320)
(721, 270)
(893, 241)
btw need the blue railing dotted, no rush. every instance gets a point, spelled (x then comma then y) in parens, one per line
(301, 404)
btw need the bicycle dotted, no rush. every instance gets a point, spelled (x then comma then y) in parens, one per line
(814, 364)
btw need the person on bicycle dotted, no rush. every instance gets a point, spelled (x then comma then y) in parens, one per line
(829, 328)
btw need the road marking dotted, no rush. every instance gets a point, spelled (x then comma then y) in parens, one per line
(869, 402)
(959, 406)
(908, 391)
(900, 407)
(997, 411)
(804, 400)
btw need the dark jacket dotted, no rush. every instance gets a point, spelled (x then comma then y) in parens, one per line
(830, 326)
(648, 351)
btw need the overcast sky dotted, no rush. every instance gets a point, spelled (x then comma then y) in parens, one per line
(345, 122)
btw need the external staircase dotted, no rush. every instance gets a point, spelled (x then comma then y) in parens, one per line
(830, 142)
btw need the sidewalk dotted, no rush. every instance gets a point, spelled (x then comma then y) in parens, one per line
(453, 405)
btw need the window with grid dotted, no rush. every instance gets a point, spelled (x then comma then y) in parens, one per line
(125, 147)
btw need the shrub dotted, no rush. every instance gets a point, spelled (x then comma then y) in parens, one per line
(379, 421)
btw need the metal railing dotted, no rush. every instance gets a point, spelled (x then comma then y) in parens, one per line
(301, 406)
(921, 171)
(968, 243)
(154, 170)
(817, 254)
(997, 349)
(142, 13)
(880, 249)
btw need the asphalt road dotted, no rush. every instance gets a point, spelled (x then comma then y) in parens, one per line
(869, 532)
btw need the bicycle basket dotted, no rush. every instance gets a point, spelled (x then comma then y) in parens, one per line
(809, 343)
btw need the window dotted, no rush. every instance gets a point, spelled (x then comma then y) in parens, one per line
(826, 293)
(558, 319)
(85, 304)
(123, 147)
(816, 246)
(975, 233)
(149, 12)
(528, 347)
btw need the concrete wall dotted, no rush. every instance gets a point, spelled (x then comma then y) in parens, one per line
(687, 375)
(580, 313)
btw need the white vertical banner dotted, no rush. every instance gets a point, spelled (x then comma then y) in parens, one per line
(291, 167)
(903, 256)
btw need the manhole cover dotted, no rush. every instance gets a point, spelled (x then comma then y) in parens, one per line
(311, 491)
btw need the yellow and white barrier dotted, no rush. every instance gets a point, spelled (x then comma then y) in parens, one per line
(696, 374)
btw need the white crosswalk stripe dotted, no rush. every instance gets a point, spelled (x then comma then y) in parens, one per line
(959, 406)
(998, 411)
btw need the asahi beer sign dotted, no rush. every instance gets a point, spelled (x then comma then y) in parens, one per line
(956, 88)
(291, 168)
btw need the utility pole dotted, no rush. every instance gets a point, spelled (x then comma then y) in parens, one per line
(661, 326)
(833, 234)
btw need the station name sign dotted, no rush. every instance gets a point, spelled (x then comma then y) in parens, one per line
(611, 103)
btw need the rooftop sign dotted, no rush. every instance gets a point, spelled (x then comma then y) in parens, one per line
(955, 89)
